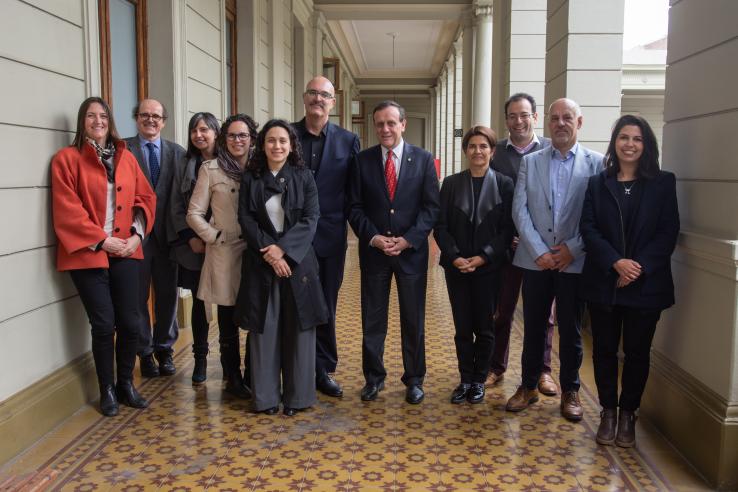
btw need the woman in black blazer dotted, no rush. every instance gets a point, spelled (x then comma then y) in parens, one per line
(474, 232)
(280, 300)
(629, 224)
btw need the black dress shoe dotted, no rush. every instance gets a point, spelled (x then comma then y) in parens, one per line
(270, 411)
(166, 363)
(476, 393)
(328, 386)
(108, 401)
(127, 395)
(290, 412)
(459, 394)
(200, 371)
(414, 394)
(149, 369)
(370, 391)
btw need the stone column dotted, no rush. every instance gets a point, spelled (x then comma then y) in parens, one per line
(584, 60)
(443, 112)
(450, 71)
(467, 62)
(692, 394)
(482, 101)
(458, 127)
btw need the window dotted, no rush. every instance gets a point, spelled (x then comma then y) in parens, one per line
(230, 58)
(123, 62)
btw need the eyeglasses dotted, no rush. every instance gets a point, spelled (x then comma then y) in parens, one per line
(521, 116)
(237, 136)
(150, 116)
(323, 94)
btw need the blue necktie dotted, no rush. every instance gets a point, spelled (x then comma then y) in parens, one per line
(153, 163)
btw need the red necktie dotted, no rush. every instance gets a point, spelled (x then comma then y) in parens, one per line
(390, 176)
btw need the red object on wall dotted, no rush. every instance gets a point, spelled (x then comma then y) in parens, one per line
(437, 162)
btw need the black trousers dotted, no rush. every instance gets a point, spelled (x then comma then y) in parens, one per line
(159, 270)
(110, 297)
(636, 327)
(230, 351)
(190, 279)
(375, 293)
(331, 277)
(473, 298)
(540, 288)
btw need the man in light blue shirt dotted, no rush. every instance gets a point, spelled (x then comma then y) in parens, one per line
(547, 205)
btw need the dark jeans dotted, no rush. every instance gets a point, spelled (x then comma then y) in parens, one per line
(512, 278)
(636, 327)
(375, 293)
(159, 271)
(110, 297)
(472, 299)
(540, 288)
(190, 279)
(331, 277)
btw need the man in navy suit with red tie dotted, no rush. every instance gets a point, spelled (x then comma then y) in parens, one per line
(394, 204)
(328, 151)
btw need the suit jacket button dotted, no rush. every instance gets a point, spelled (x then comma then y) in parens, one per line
(119, 188)
(281, 180)
(392, 210)
(117, 229)
(119, 208)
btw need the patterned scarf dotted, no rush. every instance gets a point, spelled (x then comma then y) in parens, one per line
(106, 157)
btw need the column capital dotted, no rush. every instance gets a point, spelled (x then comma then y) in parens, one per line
(482, 10)
(318, 21)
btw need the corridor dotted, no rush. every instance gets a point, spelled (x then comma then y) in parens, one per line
(200, 439)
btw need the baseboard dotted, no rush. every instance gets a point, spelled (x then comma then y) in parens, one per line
(29, 414)
(701, 424)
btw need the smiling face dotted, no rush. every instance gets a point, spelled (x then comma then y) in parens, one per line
(96, 123)
(238, 140)
(150, 119)
(203, 138)
(563, 124)
(520, 120)
(319, 99)
(479, 152)
(277, 146)
(629, 145)
(389, 126)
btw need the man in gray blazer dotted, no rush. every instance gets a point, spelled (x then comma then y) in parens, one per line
(547, 205)
(157, 158)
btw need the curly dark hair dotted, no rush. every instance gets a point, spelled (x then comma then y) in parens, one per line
(226, 162)
(648, 164)
(258, 162)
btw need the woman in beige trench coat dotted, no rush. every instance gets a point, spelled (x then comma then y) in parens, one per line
(216, 191)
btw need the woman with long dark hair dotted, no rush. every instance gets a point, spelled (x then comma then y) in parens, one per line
(281, 300)
(188, 247)
(474, 232)
(216, 193)
(629, 224)
(103, 206)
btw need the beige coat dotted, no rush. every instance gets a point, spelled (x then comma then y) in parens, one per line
(221, 272)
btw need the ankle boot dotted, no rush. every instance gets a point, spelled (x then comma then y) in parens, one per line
(626, 429)
(108, 401)
(608, 426)
(200, 371)
(127, 395)
(234, 385)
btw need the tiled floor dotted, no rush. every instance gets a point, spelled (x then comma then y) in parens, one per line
(198, 438)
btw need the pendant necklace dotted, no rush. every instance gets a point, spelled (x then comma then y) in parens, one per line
(628, 188)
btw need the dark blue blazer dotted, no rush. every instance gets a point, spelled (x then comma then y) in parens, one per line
(340, 148)
(412, 214)
(651, 241)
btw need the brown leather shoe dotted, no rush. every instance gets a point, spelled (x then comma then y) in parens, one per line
(626, 437)
(493, 379)
(547, 385)
(571, 408)
(608, 426)
(522, 399)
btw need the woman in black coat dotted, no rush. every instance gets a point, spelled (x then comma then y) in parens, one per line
(474, 232)
(629, 224)
(280, 299)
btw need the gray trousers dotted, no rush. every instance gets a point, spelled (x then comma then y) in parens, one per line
(283, 356)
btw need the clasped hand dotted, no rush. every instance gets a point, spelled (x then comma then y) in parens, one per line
(559, 258)
(468, 265)
(274, 256)
(122, 248)
(629, 271)
(391, 246)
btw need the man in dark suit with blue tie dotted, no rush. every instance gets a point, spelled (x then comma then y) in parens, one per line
(394, 204)
(157, 158)
(328, 151)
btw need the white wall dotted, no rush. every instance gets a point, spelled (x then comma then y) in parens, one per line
(42, 323)
(204, 55)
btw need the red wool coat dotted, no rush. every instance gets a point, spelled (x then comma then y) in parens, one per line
(79, 199)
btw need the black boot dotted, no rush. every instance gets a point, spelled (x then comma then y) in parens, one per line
(200, 371)
(626, 437)
(231, 360)
(127, 395)
(235, 386)
(108, 401)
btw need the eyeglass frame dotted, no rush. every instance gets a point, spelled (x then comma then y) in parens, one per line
(521, 116)
(152, 116)
(234, 137)
(323, 94)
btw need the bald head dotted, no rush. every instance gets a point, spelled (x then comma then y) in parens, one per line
(564, 122)
(150, 116)
(319, 99)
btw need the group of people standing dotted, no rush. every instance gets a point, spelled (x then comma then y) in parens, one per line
(255, 222)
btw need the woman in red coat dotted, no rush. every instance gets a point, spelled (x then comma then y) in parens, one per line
(103, 206)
